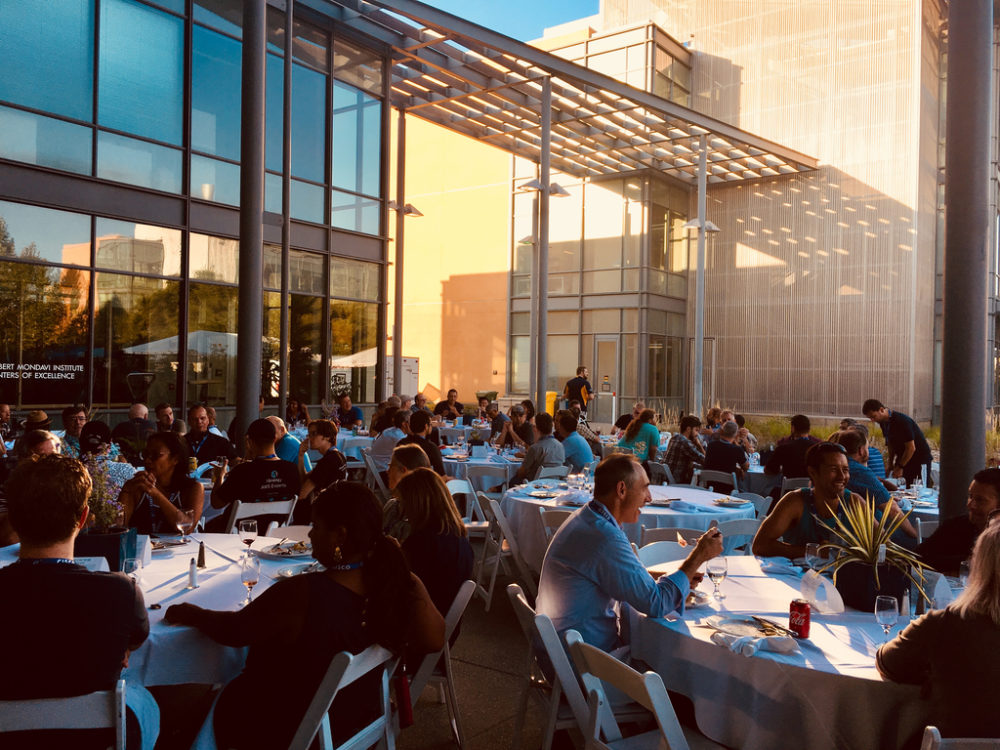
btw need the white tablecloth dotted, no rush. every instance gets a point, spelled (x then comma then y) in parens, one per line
(828, 696)
(466, 432)
(925, 506)
(460, 469)
(526, 525)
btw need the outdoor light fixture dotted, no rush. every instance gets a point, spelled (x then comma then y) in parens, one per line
(555, 189)
(695, 223)
(408, 210)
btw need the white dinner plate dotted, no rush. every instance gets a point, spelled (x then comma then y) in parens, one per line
(726, 502)
(544, 494)
(286, 551)
(290, 571)
(738, 626)
(697, 599)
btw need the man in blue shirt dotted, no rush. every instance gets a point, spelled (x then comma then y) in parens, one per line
(287, 446)
(590, 566)
(578, 453)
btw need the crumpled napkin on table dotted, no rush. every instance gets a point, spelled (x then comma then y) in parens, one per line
(779, 566)
(748, 645)
(686, 507)
(574, 498)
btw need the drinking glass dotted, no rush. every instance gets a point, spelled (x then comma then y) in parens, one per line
(132, 567)
(248, 532)
(717, 569)
(886, 613)
(963, 572)
(813, 557)
(250, 575)
(185, 522)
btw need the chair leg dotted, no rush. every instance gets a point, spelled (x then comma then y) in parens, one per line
(452, 699)
(522, 709)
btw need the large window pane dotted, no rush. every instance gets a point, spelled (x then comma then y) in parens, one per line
(307, 201)
(47, 55)
(563, 359)
(138, 163)
(45, 141)
(272, 193)
(214, 258)
(353, 341)
(311, 46)
(357, 131)
(44, 234)
(353, 278)
(305, 270)
(214, 180)
(308, 123)
(305, 338)
(354, 212)
(139, 248)
(274, 108)
(135, 332)
(140, 73)
(270, 353)
(211, 344)
(43, 327)
(357, 66)
(224, 15)
(215, 94)
(520, 363)
(603, 227)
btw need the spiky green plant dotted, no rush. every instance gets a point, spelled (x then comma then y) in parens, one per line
(861, 534)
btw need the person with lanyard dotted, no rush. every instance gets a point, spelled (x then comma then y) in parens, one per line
(590, 567)
(203, 445)
(153, 499)
(264, 478)
(69, 631)
(332, 467)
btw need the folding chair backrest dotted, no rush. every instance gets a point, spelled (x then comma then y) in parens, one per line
(648, 535)
(761, 504)
(793, 483)
(515, 552)
(662, 552)
(241, 510)
(742, 527)
(659, 473)
(932, 741)
(924, 527)
(373, 477)
(552, 472)
(498, 472)
(455, 611)
(101, 710)
(595, 666)
(552, 519)
(345, 669)
(712, 479)
(463, 487)
(298, 533)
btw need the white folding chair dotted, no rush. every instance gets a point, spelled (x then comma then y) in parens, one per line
(555, 686)
(659, 473)
(761, 504)
(933, 741)
(241, 510)
(662, 552)
(552, 472)
(497, 475)
(373, 478)
(924, 527)
(648, 535)
(292, 533)
(552, 519)
(742, 531)
(793, 483)
(473, 519)
(104, 709)
(499, 547)
(595, 667)
(430, 669)
(345, 669)
(710, 479)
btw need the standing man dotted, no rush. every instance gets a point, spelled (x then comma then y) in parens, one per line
(73, 419)
(164, 417)
(908, 449)
(451, 408)
(205, 446)
(684, 451)
(579, 388)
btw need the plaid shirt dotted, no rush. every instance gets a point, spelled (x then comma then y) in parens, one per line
(682, 455)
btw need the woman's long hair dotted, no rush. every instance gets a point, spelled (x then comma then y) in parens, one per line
(385, 575)
(529, 409)
(427, 503)
(982, 593)
(645, 417)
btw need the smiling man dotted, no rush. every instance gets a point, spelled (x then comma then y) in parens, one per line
(952, 543)
(590, 565)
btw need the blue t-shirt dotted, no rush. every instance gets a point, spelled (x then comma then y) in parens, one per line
(578, 453)
(288, 450)
(645, 444)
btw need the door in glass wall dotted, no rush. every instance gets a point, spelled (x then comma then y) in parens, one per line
(606, 365)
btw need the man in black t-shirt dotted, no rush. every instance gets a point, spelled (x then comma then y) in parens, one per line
(625, 419)
(724, 455)
(579, 388)
(789, 457)
(420, 427)
(451, 408)
(906, 444)
(263, 479)
(202, 444)
(131, 436)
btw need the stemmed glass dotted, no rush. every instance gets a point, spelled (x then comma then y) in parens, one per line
(132, 567)
(814, 559)
(250, 575)
(185, 522)
(963, 572)
(248, 532)
(717, 569)
(886, 613)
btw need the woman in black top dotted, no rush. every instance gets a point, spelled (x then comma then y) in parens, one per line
(153, 498)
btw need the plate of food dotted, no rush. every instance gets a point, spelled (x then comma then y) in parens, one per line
(662, 502)
(165, 545)
(924, 504)
(290, 571)
(731, 502)
(544, 494)
(286, 550)
(746, 625)
(544, 485)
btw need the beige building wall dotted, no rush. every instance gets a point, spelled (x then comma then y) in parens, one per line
(456, 260)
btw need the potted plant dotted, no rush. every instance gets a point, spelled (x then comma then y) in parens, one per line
(105, 535)
(858, 573)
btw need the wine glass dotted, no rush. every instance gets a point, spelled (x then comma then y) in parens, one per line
(717, 569)
(185, 522)
(963, 573)
(250, 575)
(886, 613)
(132, 567)
(814, 559)
(248, 532)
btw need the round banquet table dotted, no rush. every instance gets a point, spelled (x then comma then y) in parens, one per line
(526, 524)
(924, 503)
(460, 469)
(828, 696)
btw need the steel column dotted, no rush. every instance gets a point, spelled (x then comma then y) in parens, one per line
(397, 302)
(543, 244)
(699, 285)
(284, 305)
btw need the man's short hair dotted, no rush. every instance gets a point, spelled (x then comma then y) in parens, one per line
(410, 456)
(72, 411)
(872, 404)
(566, 420)
(46, 497)
(324, 428)
(161, 406)
(852, 440)
(419, 421)
(210, 411)
(618, 467)
(574, 402)
(814, 456)
(989, 477)
(580, 370)
(262, 432)
(729, 429)
(740, 420)
(404, 399)
(400, 418)
(860, 427)
(453, 390)
(800, 424)
(543, 422)
(195, 407)
(340, 398)
(689, 421)
(393, 401)
(518, 410)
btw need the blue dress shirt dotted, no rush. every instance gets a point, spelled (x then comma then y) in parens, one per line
(578, 453)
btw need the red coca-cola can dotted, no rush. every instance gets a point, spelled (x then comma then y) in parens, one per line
(799, 617)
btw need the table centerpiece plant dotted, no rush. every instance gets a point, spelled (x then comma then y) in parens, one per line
(858, 539)
(105, 534)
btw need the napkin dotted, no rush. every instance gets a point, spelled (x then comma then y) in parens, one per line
(779, 566)
(93, 564)
(937, 587)
(821, 594)
(749, 645)
(686, 507)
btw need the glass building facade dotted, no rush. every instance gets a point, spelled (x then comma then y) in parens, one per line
(119, 193)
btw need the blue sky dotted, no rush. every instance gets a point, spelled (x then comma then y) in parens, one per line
(521, 19)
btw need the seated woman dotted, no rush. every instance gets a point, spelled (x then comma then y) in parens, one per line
(152, 500)
(436, 548)
(642, 437)
(366, 595)
(955, 652)
(296, 414)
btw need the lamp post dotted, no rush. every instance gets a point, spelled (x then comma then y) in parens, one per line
(402, 210)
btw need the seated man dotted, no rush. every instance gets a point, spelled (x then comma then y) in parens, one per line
(482, 409)
(68, 631)
(204, 445)
(331, 467)
(517, 431)
(684, 451)
(545, 451)
(625, 419)
(450, 408)
(590, 566)
(264, 478)
(497, 418)
(73, 419)
(952, 543)
(287, 445)
(384, 420)
(723, 454)
(789, 456)
(420, 428)
(793, 522)
(164, 417)
(578, 453)
(349, 416)
(131, 436)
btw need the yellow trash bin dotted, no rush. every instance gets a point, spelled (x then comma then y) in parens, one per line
(550, 401)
